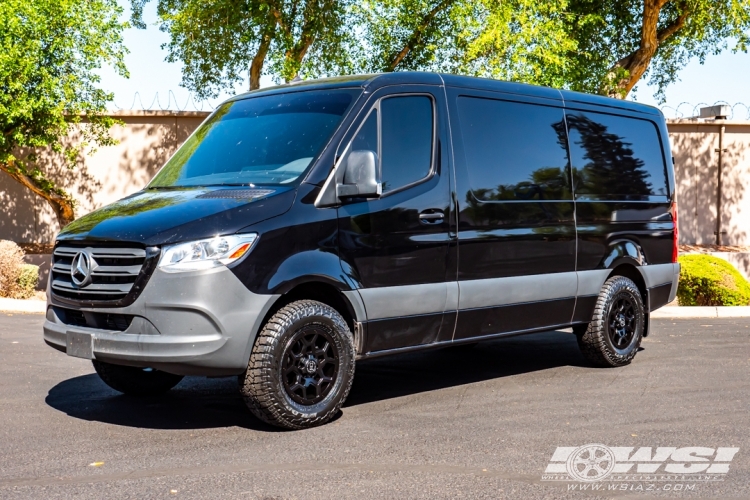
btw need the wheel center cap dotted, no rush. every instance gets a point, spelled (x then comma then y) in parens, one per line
(311, 366)
(621, 320)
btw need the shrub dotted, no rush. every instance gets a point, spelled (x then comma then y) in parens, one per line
(17, 279)
(11, 260)
(709, 281)
(27, 281)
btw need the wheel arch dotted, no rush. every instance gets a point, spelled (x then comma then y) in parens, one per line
(628, 268)
(347, 303)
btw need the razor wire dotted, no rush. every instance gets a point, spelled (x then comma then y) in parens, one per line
(172, 104)
(740, 110)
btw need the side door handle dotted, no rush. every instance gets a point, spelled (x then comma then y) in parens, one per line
(431, 216)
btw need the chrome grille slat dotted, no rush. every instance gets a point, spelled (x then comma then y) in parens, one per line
(60, 267)
(97, 288)
(113, 273)
(101, 252)
(116, 270)
(111, 252)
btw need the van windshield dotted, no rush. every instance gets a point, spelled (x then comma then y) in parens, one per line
(262, 140)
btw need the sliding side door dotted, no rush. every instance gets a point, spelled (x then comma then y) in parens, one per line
(516, 227)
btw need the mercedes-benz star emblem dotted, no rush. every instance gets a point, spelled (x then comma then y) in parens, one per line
(80, 269)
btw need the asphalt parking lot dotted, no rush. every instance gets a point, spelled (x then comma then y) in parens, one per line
(480, 422)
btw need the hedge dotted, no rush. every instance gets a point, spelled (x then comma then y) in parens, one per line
(706, 280)
(27, 280)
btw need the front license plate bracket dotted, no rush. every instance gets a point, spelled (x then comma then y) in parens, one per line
(80, 345)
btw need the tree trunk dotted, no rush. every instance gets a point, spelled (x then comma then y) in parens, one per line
(256, 66)
(626, 72)
(61, 204)
(416, 36)
(295, 56)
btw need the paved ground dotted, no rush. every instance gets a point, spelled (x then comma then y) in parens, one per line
(456, 423)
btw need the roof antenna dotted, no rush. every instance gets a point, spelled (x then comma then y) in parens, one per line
(296, 79)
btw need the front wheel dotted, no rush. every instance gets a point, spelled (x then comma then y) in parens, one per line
(301, 367)
(613, 336)
(135, 381)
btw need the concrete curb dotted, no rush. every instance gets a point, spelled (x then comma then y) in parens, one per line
(702, 312)
(24, 306)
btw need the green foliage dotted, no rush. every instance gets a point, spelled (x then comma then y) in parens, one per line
(27, 281)
(597, 46)
(606, 31)
(218, 41)
(49, 51)
(709, 281)
(519, 40)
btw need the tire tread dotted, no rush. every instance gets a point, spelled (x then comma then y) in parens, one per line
(258, 384)
(591, 337)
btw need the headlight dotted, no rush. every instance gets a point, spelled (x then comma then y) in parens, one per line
(205, 254)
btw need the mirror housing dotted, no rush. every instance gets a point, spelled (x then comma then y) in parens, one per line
(360, 176)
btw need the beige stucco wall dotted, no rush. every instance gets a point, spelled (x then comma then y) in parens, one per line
(148, 138)
(694, 147)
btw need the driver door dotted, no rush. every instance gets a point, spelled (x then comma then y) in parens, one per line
(400, 247)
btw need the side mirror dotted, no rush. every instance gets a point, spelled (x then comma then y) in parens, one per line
(360, 176)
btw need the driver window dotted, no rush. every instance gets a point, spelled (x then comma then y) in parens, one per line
(406, 140)
(404, 149)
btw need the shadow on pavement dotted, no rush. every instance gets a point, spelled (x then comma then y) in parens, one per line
(199, 402)
(196, 403)
(405, 374)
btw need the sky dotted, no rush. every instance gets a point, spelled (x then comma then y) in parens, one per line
(155, 83)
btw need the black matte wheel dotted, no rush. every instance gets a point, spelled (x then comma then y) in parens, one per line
(135, 381)
(615, 332)
(301, 367)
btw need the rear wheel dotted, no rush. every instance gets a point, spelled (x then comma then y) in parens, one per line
(616, 329)
(301, 367)
(135, 381)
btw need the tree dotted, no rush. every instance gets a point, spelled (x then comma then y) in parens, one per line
(49, 51)
(221, 41)
(520, 40)
(596, 46)
(620, 41)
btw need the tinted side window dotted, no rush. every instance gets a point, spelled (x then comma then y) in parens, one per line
(406, 148)
(615, 157)
(514, 151)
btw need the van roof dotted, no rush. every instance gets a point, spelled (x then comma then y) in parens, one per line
(372, 82)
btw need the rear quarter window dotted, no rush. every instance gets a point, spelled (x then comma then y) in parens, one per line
(514, 151)
(615, 157)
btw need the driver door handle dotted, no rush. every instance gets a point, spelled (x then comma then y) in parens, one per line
(431, 216)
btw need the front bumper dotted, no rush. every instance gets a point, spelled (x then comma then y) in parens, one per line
(195, 323)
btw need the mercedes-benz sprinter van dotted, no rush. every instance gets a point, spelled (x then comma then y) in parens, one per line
(306, 227)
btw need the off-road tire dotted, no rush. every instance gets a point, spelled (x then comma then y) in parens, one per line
(263, 385)
(135, 381)
(595, 340)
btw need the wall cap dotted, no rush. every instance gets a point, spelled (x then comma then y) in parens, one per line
(706, 123)
(139, 112)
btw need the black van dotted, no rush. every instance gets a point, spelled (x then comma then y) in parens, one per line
(304, 227)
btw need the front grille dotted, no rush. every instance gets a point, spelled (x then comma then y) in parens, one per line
(113, 272)
(104, 321)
